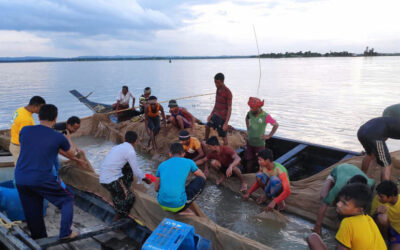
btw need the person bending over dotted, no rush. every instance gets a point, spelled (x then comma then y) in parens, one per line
(357, 230)
(223, 159)
(152, 119)
(23, 117)
(116, 174)
(34, 176)
(273, 179)
(180, 117)
(171, 177)
(386, 211)
(191, 146)
(338, 178)
(372, 136)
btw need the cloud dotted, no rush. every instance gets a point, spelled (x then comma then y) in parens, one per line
(82, 17)
(191, 27)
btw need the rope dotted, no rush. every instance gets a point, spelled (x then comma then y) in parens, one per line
(179, 98)
(4, 223)
(259, 60)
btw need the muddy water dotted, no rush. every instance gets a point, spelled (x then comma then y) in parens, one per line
(224, 207)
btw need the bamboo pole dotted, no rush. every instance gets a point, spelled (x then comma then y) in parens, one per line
(179, 98)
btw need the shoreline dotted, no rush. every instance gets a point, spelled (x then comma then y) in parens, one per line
(160, 58)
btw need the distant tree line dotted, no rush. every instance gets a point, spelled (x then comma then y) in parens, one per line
(305, 54)
(370, 52)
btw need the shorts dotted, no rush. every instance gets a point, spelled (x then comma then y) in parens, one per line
(376, 147)
(273, 185)
(217, 123)
(251, 152)
(154, 124)
(394, 236)
(186, 122)
(191, 155)
(193, 190)
(15, 151)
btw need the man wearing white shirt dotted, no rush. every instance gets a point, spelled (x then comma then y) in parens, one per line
(116, 174)
(123, 99)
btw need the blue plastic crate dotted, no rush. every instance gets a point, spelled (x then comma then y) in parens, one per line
(171, 235)
(201, 243)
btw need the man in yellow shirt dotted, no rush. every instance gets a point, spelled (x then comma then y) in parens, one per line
(23, 117)
(357, 230)
(386, 211)
(191, 145)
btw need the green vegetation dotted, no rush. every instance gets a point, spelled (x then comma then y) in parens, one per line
(305, 54)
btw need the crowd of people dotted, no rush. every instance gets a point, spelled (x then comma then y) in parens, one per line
(35, 150)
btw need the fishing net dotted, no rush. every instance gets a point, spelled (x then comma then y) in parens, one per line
(99, 125)
(149, 213)
(304, 199)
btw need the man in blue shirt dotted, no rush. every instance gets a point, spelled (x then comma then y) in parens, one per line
(171, 175)
(34, 178)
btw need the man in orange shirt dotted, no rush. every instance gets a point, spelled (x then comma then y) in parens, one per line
(23, 117)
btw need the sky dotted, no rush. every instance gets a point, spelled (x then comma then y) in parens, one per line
(195, 28)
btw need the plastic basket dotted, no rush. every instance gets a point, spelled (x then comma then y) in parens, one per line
(171, 235)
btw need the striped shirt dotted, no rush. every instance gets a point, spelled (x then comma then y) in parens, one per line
(223, 100)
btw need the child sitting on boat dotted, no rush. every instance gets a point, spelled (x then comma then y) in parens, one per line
(171, 175)
(273, 179)
(386, 212)
(339, 176)
(357, 230)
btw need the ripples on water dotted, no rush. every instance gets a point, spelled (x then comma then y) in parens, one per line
(223, 206)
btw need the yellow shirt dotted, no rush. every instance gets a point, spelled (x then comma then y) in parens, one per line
(393, 212)
(360, 232)
(194, 145)
(20, 119)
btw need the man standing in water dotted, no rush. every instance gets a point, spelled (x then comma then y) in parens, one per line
(21, 118)
(34, 176)
(219, 117)
(256, 123)
(372, 136)
(152, 119)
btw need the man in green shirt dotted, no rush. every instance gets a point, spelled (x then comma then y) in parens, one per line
(256, 123)
(338, 178)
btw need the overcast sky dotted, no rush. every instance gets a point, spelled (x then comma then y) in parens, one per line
(195, 27)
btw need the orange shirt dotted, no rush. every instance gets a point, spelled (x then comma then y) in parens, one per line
(150, 112)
